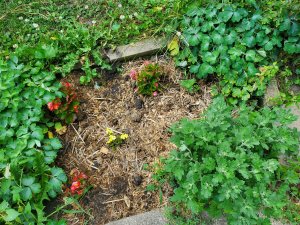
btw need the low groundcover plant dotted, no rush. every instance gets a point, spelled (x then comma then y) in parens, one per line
(236, 164)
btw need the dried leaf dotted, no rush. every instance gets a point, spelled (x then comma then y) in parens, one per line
(127, 201)
(104, 150)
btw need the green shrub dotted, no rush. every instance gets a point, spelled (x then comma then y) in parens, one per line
(229, 163)
(232, 42)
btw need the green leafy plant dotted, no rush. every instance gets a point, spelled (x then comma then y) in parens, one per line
(27, 176)
(190, 85)
(147, 80)
(237, 163)
(231, 42)
(67, 107)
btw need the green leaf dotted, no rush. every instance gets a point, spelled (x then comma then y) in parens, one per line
(194, 39)
(217, 38)
(26, 194)
(204, 70)
(250, 55)
(238, 15)
(235, 53)
(35, 188)
(226, 14)
(11, 215)
(249, 41)
(221, 28)
(194, 68)
(285, 25)
(27, 181)
(55, 143)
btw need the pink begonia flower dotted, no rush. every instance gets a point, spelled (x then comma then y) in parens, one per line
(155, 93)
(133, 74)
(146, 63)
(156, 84)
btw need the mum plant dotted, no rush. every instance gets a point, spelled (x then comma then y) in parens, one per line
(239, 164)
(147, 80)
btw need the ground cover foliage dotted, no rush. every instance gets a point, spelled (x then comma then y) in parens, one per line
(227, 164)
(233, 42)
(40, 42)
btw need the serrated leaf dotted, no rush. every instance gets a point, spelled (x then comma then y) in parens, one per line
(217, 38)
(204, 70)
(250, 55)
(249, 41)
(285, 25)
(221, 28)
(226, 14)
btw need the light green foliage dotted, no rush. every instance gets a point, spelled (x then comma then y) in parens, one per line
(227, 163)
(233, 42)
(190, 85)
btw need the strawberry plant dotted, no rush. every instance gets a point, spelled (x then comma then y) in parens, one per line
(66, 107)
(232, 42)
(239, 163)
(27, 174)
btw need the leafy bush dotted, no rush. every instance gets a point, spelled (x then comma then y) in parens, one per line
(233, 42)
(240, 164)
(26, 175)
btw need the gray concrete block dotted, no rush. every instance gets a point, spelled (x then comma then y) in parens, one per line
(138, 49)
(154, 217)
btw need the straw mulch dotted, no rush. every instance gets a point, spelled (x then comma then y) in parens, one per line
(118, 175)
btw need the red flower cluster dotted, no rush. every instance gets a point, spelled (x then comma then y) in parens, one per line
(65, 108)
(54, 105)
(78, 182)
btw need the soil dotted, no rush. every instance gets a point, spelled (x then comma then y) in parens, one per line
(117, 175)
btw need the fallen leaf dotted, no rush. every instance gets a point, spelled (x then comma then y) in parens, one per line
(104, 150)
(127, 201)
(50, 134)
(60, 129)
(173, 46)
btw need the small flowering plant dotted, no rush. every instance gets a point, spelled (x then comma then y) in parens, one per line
(115, 140)
(147, 80)
(65, 108)
(79, 182)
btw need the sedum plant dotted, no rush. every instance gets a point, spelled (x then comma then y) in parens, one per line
(235, 163)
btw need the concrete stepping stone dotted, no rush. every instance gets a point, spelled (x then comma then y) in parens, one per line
(138, 49)
(154, 217)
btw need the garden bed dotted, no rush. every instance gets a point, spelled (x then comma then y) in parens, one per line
(118, 176)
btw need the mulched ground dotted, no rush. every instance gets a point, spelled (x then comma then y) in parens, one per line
(118, 175)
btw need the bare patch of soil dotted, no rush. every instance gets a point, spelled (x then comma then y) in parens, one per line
(119, 173)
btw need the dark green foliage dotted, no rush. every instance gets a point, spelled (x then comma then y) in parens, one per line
(228, 163)
(233, 42)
